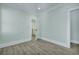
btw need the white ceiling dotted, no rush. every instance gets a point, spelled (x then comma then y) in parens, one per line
(31, 7)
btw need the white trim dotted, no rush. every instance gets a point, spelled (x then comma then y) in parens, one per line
(68, 28)
(30, 24)
(13, 43)
(56, 42)
(72, 9)
(74, 41)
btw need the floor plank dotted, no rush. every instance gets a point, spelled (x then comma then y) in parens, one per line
(39, 47)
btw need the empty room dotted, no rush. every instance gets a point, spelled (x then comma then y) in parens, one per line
(39, 28)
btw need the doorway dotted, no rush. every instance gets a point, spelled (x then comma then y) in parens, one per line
(34, 29)
(74, 28)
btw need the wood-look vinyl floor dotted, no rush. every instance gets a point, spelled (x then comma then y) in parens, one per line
(39, 47)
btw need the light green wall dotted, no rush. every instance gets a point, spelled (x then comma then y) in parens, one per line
(53, 24)
(14, 25)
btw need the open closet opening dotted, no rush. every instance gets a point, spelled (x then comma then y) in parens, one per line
(74, 29)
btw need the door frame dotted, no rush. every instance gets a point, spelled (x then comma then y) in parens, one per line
(69, 25)
(30, 24)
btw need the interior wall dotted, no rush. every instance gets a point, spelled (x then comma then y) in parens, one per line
(0, 22)
(39, 27)
(74, 17)
(15, 25)
(54, 24)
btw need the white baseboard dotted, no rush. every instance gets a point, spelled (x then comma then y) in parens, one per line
(74, 41)
(56, 42)
(25, 40)
(13, 43)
